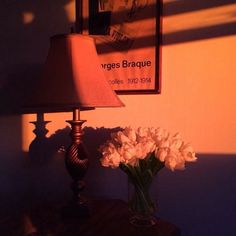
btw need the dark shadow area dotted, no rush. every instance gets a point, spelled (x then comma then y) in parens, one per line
(185, 6)
(15, 89)
(215, 31)
(48, 154)
(26, 27)
(101, 181)
(25, 31)
(137, 43)
(196, 199)
(40, 151)
(45, 182)
(200, 199)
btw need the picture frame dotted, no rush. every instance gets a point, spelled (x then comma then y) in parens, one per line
(127, 35)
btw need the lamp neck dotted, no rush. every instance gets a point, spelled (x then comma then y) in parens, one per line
(76, 114)
(76, 126)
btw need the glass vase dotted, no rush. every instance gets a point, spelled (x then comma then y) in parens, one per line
(141, 205)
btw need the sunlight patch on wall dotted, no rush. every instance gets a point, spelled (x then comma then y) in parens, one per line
(27, 17)
(199, 93)
(70, 11)
(199, 19)
(27, 131)
(57, 122)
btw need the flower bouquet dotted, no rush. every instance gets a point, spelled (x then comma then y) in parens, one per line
(141, 153)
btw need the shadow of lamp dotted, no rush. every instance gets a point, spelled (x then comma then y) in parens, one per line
(73, 80)
(37, 148)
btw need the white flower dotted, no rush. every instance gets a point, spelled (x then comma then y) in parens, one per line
(176, 142)
(141, 152)
(111, 157)
(128, 154)
(130, 133)
(159, 135)
(173, 152)
(142, 132)
(188, 153)
(119, 137)
(131, 145)
(161, 154)
(174, 161)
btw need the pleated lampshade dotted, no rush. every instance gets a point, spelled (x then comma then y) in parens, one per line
(72, 78)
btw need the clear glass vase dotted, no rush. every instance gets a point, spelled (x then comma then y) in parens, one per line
(141, 205)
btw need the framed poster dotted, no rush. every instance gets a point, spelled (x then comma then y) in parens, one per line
(127, 36)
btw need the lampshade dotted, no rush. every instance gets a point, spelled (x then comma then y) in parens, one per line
(72, 78)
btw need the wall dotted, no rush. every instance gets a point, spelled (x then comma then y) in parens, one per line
(197, 99)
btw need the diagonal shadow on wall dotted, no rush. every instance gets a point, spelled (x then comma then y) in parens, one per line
(226, 28)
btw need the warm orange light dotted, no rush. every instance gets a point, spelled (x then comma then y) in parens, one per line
(27, 131)
(70, 11)
(27, 17)
(199, 19)
(198, 96)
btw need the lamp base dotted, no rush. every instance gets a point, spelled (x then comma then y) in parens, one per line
(79, 206)
(76, 162)
(76, 210)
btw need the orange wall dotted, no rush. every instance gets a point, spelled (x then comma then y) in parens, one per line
(198, 96)
(198, 77)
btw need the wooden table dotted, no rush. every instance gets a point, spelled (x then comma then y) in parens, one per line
(108, 218)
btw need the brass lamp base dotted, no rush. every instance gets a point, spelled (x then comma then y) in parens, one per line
(76, 163)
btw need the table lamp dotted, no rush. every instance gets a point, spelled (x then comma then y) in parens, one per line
(73, 80)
